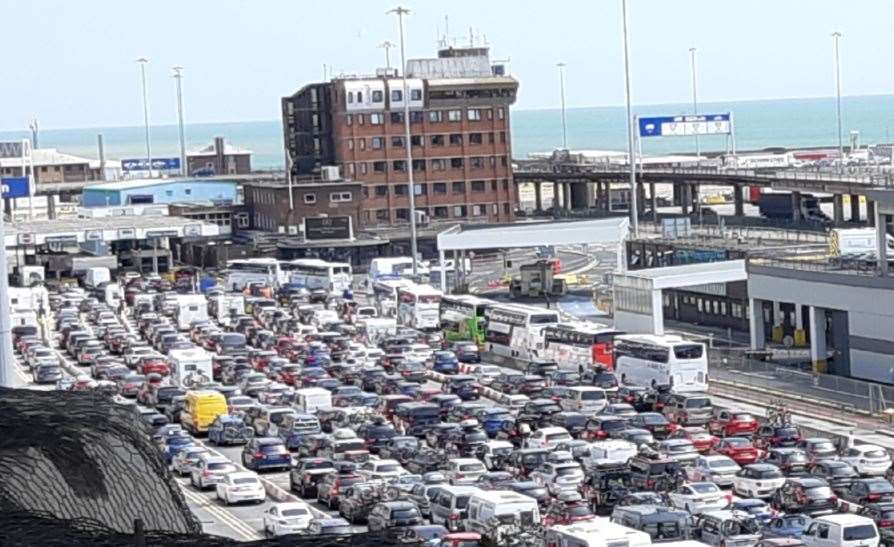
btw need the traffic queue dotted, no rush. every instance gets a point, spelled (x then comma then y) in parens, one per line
(422, 440)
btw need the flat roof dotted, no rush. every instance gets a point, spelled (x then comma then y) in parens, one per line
(142, 183)
(688, 275)
(104, 228)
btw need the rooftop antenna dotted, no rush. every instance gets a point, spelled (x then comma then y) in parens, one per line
(387, 46)
(471, 37)
(34, 132)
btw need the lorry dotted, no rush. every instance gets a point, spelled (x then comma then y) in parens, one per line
(537, 280)
(93, 277)
(856, 243)
(782, 206)
(190, 367)
(190, 308)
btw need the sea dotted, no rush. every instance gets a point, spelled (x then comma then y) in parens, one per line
(759, 124)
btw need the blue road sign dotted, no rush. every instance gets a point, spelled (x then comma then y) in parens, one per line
(158, 164)
(683, 126)
(14, 187)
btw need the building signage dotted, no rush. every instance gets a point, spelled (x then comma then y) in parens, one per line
(327, 228)
(158, 164)
(25, 239)
(67, 238)
(162, 233)
(192, 230)
(93, 235)
(685, 126)
(12, 149)
(15, 187)
(127, 233)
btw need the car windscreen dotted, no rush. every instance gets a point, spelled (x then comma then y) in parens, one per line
(698, 402)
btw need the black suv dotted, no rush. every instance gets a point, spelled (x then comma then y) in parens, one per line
(305, 476)
(808, 495)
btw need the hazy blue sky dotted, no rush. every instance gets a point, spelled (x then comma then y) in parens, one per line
(71, 62)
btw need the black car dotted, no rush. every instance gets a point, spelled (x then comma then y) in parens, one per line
(872, 490)
(769, 436)
(599, 428)
(307, 473)
(574, 422)
(358, 501)
(790, 460)
(508, 382)
(642, 399)
(808, 495)
(388, 517)
(599, 378)
(531, 489)
(399, 448)
(654, 474)
(539, 411)
(655, 423)
(838, 474)
(466, 441)
(376, 434)
(464, 386)
(494, 480)
(466, 352)
(331, 486)
(426, 460)
(883, 515)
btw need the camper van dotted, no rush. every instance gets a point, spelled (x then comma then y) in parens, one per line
(190, 308)
(190, 367)
(224, 306)
(94, 277)
(312, 398)
(506, 506)
(596, 532)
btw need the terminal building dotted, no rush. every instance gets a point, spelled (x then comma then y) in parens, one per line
(155, 191)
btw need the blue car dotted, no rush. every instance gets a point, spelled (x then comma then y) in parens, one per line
(493, 418)
(227, 429)
(266, 453)
(445, 362)
(786, 526)
(174, 444)
(757, 508)
(317, 359)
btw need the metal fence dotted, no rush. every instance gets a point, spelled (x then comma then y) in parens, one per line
(796, 379)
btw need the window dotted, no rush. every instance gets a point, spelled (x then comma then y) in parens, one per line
(350, 144)
(458, 187)
(399, 165)
(167, 192)
(421, 189)
(397, 142)
(350, 97)
(502, 137)
(454, 115)
(378, 96)
(435, 116)
(477, 162)
(363, 168)
(340, 197)
(376, 118)
(400, 189)
(415, 94)
(402, 214)
(493, 161)
(456, 139)
(349, 119)
(365, 192)
(490, 113)
(360, 119)
(476, 138)
(490, 138)
(503, 161)
(397, 95)
(441, 212)
(456, 163)
(310, 199)
(505, 184)
(473, 114)
(380, 166)
(416, 140)
(500, 113)
(382, 215)
(439, 188)
(381, 191)
(416, 117)
(478, 186)
(437, 140)
(496, 209)
(351, 170)
(418, 165)
(438, 165)
(493, 185)
(477, 210)
(188, 191)
(359, 96)
(459, 211)
(377, 143)
(397, 117)
(362, 143)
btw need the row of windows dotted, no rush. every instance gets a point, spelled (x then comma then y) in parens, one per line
(334, 197)
(453, 139)
(437, 164)
(378, 96)
(433, 116)
(439, 212)
(437, 188)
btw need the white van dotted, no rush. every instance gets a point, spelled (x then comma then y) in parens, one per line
(112, 295)
(842, 530)
(189, 309)
(610, 452)
(310, 399)
(586, 399)
(225, 305)
(96, 276)
(596, 532)
(487, 504)
(190, 366)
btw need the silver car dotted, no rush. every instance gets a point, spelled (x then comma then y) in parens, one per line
(210, 470)
(681, 451)
(718, 469)
(187, 459)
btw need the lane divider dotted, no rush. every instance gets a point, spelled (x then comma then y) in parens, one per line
(241, 528)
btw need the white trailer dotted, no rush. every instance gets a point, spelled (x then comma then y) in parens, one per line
(96, 276)
(190, 308)
(223, 306)
(310, 399)
(190, 367)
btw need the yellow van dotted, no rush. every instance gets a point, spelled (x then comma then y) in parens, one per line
(201, 409)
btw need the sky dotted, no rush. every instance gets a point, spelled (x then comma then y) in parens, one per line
(74, 64)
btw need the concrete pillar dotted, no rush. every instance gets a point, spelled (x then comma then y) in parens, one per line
(855, 208)
(677, 195)
(696, 201)
(796, 206)
(654, 198)
(738, 201)
(777, 323)
(443, 270)
(756, 324)
(657, 312)
(51, 206)
(641, 198)
(818, 353)
(538, 196)
(685, 198)
(870, 212)
(800, 333)
(881, 241)
(569, 205)
(838, 208)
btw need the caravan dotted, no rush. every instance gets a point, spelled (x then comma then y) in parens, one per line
(223, 306)
(492, 508)
(190, 367)
(189, 309)
(596, 532)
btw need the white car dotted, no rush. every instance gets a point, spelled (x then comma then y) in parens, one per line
(699, 497)
(758, 480)
(867, 459)
(717, 469)
(419, 352)
(381, 470)
(133, 354)
(485, 373)
(464, 470)
(559, 477)
(496, 450)
(515, 401)
(287, 518)
(240, 486)
(187, 459)
(547, 437)
(680, 450)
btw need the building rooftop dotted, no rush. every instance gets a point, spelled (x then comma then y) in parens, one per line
(143, 183)
(48, 156)
(450, 67)
(208, 150)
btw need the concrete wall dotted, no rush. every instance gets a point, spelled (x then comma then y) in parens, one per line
(868, 301)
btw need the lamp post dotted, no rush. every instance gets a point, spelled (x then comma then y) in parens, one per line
(634, 218)
(836, 36)
(143, 62)
(698, 152)
(400, 12)
(562, 94)
(178, 75)
(386, 45)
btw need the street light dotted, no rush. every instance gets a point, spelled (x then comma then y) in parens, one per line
(386, 45)
(698, 152)
(836, 36)
(562, 92)
(634, 219)
(400, 12)
(143, 62)
(179, 76)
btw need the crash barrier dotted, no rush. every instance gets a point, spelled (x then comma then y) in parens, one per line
(77, 455)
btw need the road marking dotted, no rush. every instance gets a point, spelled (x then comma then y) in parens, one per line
(223, 515)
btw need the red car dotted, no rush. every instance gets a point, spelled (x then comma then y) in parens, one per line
(260, 359)
(461, 539)
(153, 364)
(732, 422)
(290, 374)
(567, 513)
(739, 449)
(700, 439)
(284, 345)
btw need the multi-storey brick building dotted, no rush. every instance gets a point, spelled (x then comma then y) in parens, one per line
(460, 137)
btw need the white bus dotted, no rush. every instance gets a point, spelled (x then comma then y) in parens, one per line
(514, 330)
(651, 360)
(393, 267)
(571, 345)
(384, 295)
(462, 317)
(418, 306)
(253, 270)
(313, 273)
